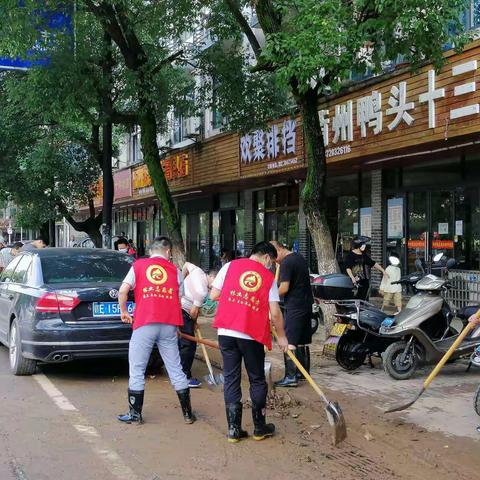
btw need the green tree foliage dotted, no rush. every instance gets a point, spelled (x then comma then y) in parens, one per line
(313, 47)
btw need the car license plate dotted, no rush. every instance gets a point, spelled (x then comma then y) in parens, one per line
(338, 329)
(110, 309)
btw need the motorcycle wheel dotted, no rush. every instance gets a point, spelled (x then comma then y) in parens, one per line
(317, 318)
(393, 365)
(346, 357)
(476, 401)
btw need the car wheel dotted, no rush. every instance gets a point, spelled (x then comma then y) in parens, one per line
(19, 365)
(398, 365)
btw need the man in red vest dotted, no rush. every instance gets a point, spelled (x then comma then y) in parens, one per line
(248, 296)
(158, 287)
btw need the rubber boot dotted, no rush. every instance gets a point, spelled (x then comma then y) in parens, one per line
(290, 379)
(234, 420)
(262, 429)
(184, 397)
(300, 353)
(135, 403)
(304, 359)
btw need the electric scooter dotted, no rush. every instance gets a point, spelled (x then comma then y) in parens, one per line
(355, 334)
(423, 331)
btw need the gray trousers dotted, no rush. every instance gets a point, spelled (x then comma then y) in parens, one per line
(140, 348)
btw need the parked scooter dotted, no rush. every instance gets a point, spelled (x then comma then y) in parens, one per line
(423, 330)
(355, 334)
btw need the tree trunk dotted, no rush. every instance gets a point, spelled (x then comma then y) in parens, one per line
(45, 231)
(107, 149)
(51, 233)
(151, 157)
(313, 195)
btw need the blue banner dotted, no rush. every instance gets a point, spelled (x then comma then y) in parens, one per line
(48, 23)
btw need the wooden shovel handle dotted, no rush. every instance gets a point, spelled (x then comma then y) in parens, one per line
(204, 341)
(449, 352)
(204, 350)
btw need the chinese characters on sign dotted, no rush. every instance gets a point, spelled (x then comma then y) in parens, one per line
(176, 167)
(275, 142)
(158, 292)
(373, 118)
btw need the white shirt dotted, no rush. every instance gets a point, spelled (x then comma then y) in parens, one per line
(394, 274)
(273, 296)
(195, 286)
(5, 256)
(130, 278)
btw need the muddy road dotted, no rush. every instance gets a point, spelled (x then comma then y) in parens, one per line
(60, 424)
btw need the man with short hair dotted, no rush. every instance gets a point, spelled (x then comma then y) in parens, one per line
(294, 287)
(39, 242)
(196, 286)
(158, 287)
(248, 298)
(8, 254)
(123, 246)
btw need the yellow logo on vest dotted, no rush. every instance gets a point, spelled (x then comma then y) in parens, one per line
(156, 274)
(250, 281)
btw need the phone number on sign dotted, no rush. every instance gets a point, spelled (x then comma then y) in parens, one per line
(333, 152)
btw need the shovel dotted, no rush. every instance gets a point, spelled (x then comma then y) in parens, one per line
(211, 379)
(438, 367)
(332, 409)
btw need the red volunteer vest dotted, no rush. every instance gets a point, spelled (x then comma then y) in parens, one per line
(156, 293)
(243, 304)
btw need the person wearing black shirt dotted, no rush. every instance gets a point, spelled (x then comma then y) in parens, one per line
(294, 287)
(358, 265)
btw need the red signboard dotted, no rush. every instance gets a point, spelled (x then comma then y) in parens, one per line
(176, 166)
(443, 244)
(416, 244)
(123, 184)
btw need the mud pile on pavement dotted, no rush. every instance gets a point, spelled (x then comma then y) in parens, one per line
(281, 403)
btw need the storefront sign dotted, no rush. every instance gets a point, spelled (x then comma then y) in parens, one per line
(366, 222)
(443, 244)
(176, 167)
(142, 183)
(123, 184)
(275, 142)
(405, 110)
(416, 244)
(395, 218)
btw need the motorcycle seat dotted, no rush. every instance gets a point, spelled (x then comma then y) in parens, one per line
(466, 312)
(371, 319)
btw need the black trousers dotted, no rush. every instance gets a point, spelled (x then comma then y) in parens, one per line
(252, 352)
(186, 347)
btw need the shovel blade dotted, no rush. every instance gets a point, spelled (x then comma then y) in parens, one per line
(337, 422)
(404, 406)
(214, 382)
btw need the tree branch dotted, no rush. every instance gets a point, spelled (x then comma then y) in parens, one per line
(245, 27)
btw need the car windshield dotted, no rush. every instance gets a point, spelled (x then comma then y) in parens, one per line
(85, 268)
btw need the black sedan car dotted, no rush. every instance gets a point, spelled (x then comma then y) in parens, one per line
(60, 304)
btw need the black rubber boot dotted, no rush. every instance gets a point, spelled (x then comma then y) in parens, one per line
(135, 403)
(303, 355)
(262, 429)
(234, 419)
(184, 397)
(290, 379)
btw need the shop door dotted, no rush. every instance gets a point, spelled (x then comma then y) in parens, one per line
(193, 238)
(430, 226)
(141, 238)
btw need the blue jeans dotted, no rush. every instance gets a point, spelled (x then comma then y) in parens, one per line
(140, 348)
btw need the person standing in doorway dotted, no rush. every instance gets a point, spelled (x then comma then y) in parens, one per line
(358, 265)
(158, 287)
(248, 298)
(196, 286)
(294, 287)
